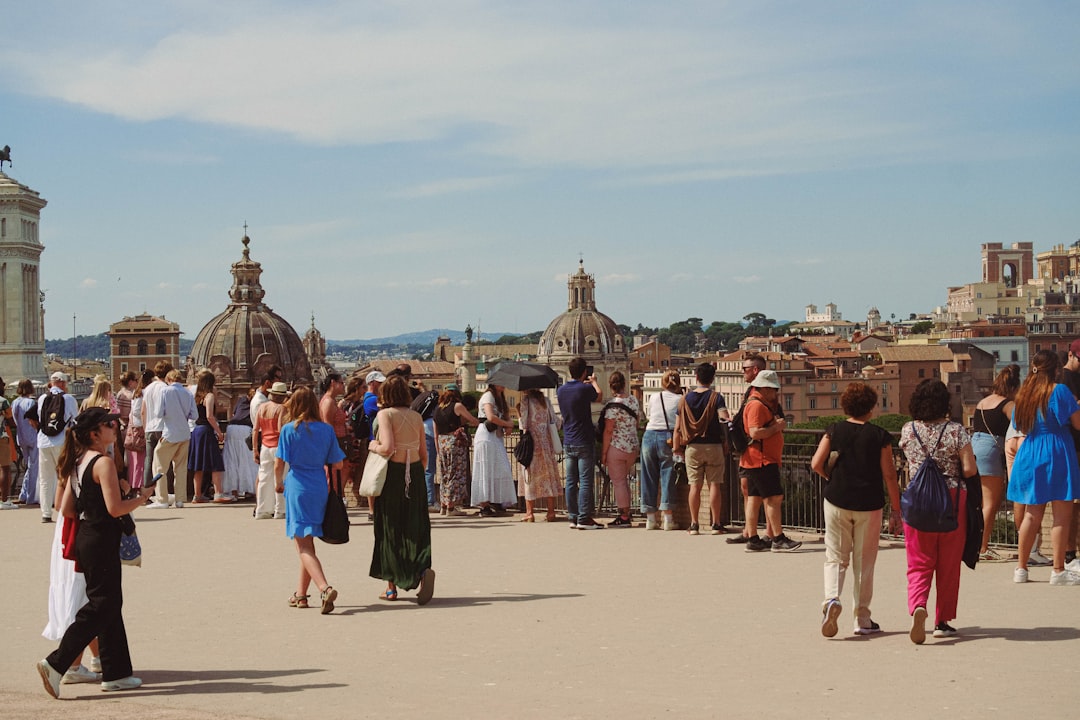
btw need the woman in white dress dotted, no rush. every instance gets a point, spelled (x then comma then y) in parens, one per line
(241, 471)
(493, 480)
(67, 593)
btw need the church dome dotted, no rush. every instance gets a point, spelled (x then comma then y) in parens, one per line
(242, 342)
(582, 331)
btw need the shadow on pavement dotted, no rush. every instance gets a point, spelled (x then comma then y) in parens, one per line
(452, 602)
(206, 682)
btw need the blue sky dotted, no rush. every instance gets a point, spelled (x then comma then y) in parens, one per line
(403, 166)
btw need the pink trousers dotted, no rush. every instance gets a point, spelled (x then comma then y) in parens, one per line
(619, 464)
(936, 554)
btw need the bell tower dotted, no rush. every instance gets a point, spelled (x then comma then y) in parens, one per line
(22, 314)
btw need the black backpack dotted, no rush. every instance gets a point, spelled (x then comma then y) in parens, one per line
(736, 429)
(425, 404)
(926, 503)
(52, 420)
(361, 425)
(602, 422)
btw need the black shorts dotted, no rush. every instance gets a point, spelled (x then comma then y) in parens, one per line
(763, 481)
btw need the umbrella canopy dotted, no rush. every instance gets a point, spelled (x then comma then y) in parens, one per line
(523, 376)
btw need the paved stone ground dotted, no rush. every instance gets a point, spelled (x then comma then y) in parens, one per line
(532, 621)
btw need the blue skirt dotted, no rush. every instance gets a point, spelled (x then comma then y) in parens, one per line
(204, 455)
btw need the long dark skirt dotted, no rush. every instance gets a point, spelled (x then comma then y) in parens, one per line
(402, 529)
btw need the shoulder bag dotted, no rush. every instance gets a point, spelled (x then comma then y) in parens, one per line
(374, 477)
(335, 526)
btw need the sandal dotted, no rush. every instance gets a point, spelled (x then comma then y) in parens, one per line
(389, 594)
(550, 517)
(528, 518)
(327, 597)
(427, 587)
(298, 601)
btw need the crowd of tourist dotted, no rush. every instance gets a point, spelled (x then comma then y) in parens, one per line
(292, 452)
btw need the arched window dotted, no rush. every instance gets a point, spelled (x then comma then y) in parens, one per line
(143, 347)
(124, 348)
(159, 347)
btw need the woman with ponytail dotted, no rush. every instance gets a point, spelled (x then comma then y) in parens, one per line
(1045, 469)
(94, 494)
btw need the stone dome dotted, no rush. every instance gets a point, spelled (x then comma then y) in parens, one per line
(242, 342)
(582, 331)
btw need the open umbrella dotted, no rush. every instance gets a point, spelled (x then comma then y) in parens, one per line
(523, 376)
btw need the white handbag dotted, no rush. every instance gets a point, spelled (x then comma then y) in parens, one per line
(554, 430)
(374, 477)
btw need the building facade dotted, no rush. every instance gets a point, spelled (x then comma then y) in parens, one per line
(22, 317)
(138, 343)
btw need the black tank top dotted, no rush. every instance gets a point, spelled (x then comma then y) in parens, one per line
(993, 421)
(446, 420)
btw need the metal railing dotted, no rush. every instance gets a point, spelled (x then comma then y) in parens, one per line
(802, 509)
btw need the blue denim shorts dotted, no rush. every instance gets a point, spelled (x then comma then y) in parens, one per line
(989, 453)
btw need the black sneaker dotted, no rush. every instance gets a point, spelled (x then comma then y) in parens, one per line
(942, 630)
(737, 540)
(487, 511)
(756, 544)
(621, 522)
(785, 544)
(1070, 555)
(718, 529)
(693, 530)
(589, 524)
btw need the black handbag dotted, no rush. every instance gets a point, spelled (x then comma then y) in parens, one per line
(335, 525)
(525, 448)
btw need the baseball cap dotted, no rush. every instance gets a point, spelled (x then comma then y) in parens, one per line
(375, 376)
(59, 377)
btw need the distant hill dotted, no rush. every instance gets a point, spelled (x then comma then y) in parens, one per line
(424, 337)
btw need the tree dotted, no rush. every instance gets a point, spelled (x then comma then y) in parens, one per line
(922, 327)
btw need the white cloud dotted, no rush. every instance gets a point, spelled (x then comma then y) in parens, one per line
(808, 261)
(746, 279)
(705, 93)
(453, 185)
(89, 283)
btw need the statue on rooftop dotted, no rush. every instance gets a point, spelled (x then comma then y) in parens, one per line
(5, 155)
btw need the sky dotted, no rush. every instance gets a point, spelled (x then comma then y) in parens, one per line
(406, 165)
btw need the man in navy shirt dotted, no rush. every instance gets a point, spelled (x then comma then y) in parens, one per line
(579, 444)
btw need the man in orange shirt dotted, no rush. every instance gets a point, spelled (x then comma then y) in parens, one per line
(761, 464)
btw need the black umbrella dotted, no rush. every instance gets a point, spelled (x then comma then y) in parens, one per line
(523, 376)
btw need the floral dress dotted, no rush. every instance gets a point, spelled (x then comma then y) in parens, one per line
(541, 479)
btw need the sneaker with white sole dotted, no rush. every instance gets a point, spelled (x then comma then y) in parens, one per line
(870, 629)
(830, 612)
(1020, 575)
(918, 626)
(1073, 565)
(944, 630)
(80, 674)
(1038, 559)
(129, 683)
(158, 506)
(50, 678)
(95, 663)
(782, 543)
(669, 522)
(650, 522)
(1065, 577)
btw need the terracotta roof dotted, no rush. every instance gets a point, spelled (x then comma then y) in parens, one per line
(916, 353)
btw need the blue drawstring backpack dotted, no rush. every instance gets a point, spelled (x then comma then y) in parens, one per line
(926, 504)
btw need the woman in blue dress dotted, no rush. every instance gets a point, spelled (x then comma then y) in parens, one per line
(308, 445)
(1045, 469)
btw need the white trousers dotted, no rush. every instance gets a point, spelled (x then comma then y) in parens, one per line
(851, 536)
(266, 500)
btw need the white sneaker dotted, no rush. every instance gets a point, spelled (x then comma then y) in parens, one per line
(158, 506)
(1020, 575)
(1038, 559)
(128, 683)
(95, 663)
(1073, 565)
(50, 678)
(669, 522)
(80, 674)
(263, 516)
(650, 521)
(8, 506)
(1065, 577)
(179, 504)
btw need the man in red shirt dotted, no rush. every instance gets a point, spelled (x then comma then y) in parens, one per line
(761, 464)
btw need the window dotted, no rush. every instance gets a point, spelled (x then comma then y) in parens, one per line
(123, 348)
(835, 403)
(1014, 356)
(834, 387)
(813, 403)
(143, 347)
(812, 387)
(789, 401)
(1038, 347)
(142, 367)
(997, 355)
(123, 368)
(159, 347)
(922, 372)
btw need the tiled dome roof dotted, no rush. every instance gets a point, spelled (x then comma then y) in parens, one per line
(582, 330)
(251, 335)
